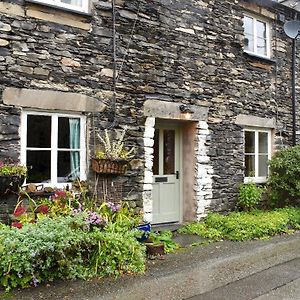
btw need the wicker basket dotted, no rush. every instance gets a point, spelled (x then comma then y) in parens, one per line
(106, 166)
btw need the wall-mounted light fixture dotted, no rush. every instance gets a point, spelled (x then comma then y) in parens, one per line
(185, 109)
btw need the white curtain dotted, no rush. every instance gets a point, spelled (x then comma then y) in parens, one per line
(75, 144)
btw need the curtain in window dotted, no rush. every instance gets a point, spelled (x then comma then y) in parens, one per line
(75, 144)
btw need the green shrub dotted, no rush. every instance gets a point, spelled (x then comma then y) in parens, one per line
(240, 226)
(66, 247)
(249, 196)
(44, 251)
(284, 180)
(117, 252)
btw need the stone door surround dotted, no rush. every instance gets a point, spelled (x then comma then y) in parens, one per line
(196, 168)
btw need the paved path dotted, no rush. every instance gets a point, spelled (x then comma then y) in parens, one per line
(275, 283)
(289, 291)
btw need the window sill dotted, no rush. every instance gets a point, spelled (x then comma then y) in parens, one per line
(255, 179)
(259, 57)
(69, 10)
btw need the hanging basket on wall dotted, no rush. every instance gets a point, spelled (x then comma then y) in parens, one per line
(107, 166)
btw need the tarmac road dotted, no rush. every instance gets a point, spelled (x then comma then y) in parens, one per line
(278, 282)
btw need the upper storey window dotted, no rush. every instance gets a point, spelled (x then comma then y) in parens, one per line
(75, 5)
(257, 37)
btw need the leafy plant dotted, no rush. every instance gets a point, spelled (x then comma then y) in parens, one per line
(249, 196)
(114, 150)
(284, 180)
(67, 247)
(11, 168)
(47, 250)
(117, 252)
(164, 237)
(240, 226)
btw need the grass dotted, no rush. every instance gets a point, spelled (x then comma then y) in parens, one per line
(242, 226)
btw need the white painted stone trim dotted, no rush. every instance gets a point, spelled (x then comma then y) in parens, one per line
(204, 172)
(148, 174)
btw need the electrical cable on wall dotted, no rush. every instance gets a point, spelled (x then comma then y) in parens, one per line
(116, 74)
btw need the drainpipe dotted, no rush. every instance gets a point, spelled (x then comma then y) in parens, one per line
(294, 90)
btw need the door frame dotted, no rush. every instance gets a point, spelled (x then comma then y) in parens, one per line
(177, 126)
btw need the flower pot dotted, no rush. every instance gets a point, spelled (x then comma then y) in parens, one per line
(107, 166)
(10, 183)
(155, 249)
(146, 228)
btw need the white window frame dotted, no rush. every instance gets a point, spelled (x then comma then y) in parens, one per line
(54, 146)
(256, 178)
(268, 36)
(84, 8)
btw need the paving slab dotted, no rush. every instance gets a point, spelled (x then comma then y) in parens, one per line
(258, 285)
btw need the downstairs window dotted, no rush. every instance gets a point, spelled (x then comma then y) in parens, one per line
(53, 147)
(257, 147)
(75, 5)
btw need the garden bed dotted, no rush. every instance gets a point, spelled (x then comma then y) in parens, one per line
(241, 226)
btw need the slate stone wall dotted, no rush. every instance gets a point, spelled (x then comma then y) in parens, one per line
(179, 51)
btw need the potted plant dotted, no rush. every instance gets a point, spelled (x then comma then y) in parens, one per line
(160, 243)
(112, 157)
(154, 246)
(12, 176)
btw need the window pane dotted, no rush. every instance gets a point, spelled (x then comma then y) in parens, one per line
(38, 163)
(249, 141)
(156, 153)
(68, 133)
(262, 165)
(72, 2)
(261, 30)
(248, 25)
(249, 165)
(249, 42)
(38, 131)
(169, 152)
(263, 142)
(68, 166)
(261, 46)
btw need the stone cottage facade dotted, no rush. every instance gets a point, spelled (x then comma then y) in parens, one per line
(203, 88)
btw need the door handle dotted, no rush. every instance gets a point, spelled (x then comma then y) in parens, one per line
(177, 174)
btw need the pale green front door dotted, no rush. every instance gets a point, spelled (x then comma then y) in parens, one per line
(166, 175)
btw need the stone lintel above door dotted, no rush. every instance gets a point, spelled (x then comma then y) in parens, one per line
(51, 100)
(172, 110)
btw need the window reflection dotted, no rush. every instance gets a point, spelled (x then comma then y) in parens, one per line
(169, 152)
(156, 153)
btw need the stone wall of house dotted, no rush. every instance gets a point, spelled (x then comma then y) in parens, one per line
(171, 50)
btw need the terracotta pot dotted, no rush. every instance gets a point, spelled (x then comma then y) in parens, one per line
(155, 249)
